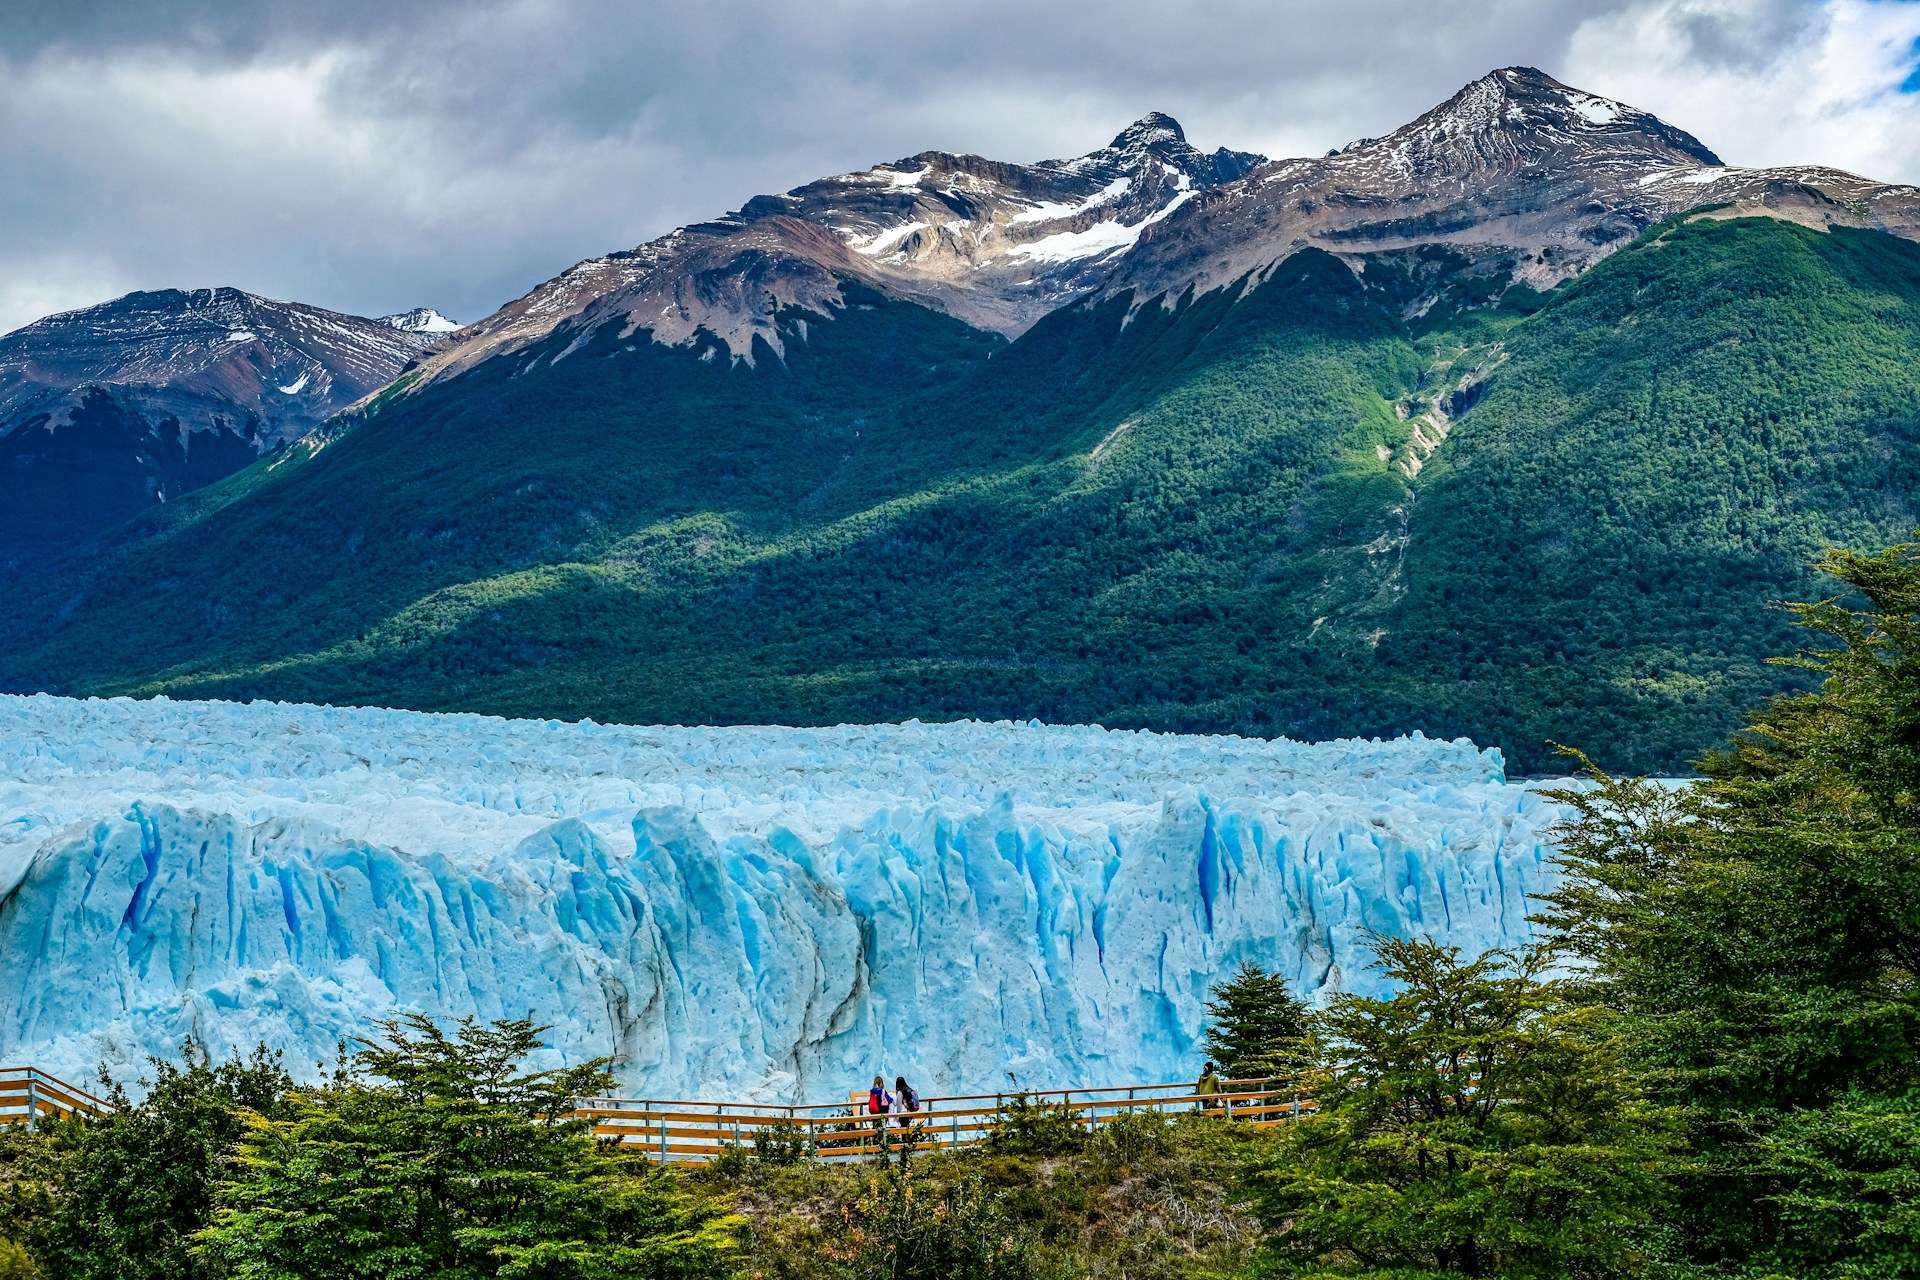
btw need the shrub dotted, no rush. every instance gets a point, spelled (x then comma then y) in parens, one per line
(1131, 1139)
(911, 1230)
(784, 1143)
(1025, 1127)
(15, 1264)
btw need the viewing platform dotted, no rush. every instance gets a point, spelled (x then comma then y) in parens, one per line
(695, 1131)
(28, 1094)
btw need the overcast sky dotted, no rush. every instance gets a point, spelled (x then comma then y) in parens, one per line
(372, 155)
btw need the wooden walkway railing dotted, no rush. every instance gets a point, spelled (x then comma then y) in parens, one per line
(687, 1130)
(680, 1129)
(27, 1093)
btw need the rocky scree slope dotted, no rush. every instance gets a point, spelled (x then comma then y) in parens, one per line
(992, 243)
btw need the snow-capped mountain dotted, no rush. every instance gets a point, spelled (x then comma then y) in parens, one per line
(290, 364)
(996, 244)
(115, 407)
(420, 320)
(1540, 178)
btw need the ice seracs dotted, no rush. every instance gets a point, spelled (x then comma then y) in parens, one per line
(736, 912)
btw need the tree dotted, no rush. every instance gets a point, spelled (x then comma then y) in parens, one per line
(120, 1196)
(1760, 931)
(1475, 1124)
(441, 1155)
(1259, 1027)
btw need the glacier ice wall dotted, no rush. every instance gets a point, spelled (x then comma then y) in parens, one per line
(777, 913)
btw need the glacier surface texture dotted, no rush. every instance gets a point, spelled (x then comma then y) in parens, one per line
(735, 912)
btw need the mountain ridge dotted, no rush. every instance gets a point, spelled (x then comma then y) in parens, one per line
(109, 408)
(1235, 481)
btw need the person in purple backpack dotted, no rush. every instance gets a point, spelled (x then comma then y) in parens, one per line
(906, 1101)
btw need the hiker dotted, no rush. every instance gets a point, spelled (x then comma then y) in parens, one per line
(1207, 1087)
(906, 1101)
(879, 1101)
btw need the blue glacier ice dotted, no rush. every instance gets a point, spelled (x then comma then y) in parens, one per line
(740, 912)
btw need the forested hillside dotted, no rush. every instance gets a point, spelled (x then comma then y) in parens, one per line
(1358, 496)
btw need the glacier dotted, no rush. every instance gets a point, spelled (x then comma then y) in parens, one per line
(750, 913)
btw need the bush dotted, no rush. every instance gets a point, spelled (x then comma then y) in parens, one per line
(782, 1144)
(119, 1197)
(444, 1156)
(1024, 1127)
(1131, 1139)
(910, 1230)
(15, 1264)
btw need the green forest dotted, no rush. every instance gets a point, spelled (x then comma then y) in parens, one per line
(1709, 1067)
(1351, 496)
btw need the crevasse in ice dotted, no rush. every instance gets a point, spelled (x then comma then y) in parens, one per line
(736, 912)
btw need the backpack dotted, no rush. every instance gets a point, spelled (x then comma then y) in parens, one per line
(913, 1098)
(878, 1102)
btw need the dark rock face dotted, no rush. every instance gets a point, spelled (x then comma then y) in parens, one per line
(101, 456)
(109, 409)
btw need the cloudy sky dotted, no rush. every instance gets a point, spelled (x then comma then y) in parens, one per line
(372, 155)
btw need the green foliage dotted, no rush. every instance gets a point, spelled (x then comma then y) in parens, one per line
(121, 1196)
(1667, 448)
(1219, 514)
(444, 1156)
(782, 1144)
(1848, 1179)
(1164, 1212)
(1761, 932)
(15, 1264)
(1131, 1139)
(1259, 1027)
(1473, 1125)
(1035, 1127)
(908, 1229)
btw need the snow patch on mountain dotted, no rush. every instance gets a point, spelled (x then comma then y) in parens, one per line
(735, 911)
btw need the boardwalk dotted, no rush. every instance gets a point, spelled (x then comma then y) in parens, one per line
(28, 1094)
(671, 1129)
(677, 1129)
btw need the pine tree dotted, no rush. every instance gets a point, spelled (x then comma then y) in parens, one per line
(443, 1156)
(1477, 1123)
(1259, 1027)
(1760, 930)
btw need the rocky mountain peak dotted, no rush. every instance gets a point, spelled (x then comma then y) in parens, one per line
(1536, 178)
(420, 320)
(1518, 113)
(207, 353)
(996, 243)
(1155, 126)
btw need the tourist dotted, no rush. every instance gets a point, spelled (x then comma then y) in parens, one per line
(906, 1100)
(1208, 1087)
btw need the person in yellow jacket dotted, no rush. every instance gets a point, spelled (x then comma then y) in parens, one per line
(1208, 1087)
